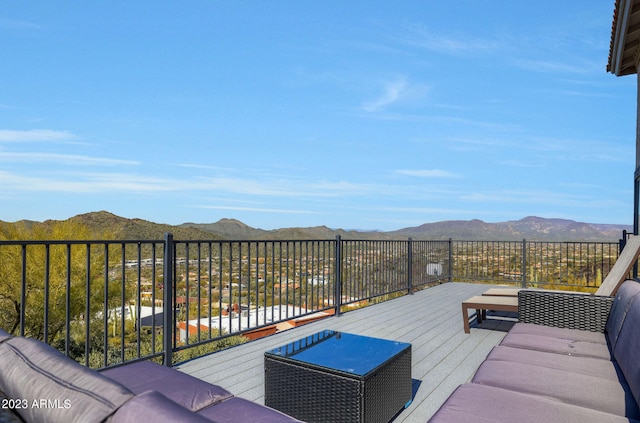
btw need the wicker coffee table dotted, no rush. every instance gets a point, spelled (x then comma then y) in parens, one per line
(339, 377)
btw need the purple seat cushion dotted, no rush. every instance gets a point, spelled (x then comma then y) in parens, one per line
(626, 295)
(568, 387)
(584, 365)
(545, 338)
(487, 404)
(562, 333)
(33, 371)
(4, 335)
(181, 388)
(240, 410)
(153, 407)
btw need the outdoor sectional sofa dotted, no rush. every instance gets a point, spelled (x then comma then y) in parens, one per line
(570, 358)
(39, 384)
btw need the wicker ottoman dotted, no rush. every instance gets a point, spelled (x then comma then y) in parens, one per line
(339, 377)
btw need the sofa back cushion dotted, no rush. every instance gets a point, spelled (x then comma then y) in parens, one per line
(4, 335)
(54, 388)
(627, 347)
(625, 296)
(153, 407)
(186, 390)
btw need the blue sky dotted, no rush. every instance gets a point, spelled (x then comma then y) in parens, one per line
(356, 115)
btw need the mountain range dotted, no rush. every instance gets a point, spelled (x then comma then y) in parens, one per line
(531, 228)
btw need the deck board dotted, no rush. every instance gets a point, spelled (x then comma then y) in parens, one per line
(443, 356)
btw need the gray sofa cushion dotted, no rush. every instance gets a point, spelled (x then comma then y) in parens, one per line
(241, 410)
(34, 371)
(625, 297)
(538, 340)
(627, 347)
(4, 335)
(601, 394)
(584, 365)
(181, 388)
(487, 404)
(8, 415)
(562, 333)
(153, 407)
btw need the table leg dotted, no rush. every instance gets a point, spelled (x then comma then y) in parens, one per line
(465, 318)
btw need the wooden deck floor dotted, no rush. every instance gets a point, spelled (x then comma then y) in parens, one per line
(443, 356)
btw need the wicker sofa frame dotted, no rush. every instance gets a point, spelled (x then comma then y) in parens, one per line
(564, 310)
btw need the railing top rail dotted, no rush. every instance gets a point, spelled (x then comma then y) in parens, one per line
(524, 239)
(81, 242)
(212, 241)
(572, 242)
(390, 241)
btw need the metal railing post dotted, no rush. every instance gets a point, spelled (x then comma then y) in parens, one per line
(167, 306)
(450, 270)
(524, 263)
(621, 243)
(410, 266)
(23, 291)
(338, 284)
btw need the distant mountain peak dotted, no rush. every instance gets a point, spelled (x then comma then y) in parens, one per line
(233, 222)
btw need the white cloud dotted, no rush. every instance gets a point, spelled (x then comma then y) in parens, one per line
(281, 191)
(87, 183)
(64, 159)
(392, 92)
(547, 66)
(522, 163)
(34, 135)
(452, 44)
(18, 25)
(428, 173)
(336, 188)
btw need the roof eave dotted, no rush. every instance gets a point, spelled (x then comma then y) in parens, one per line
(621, 19)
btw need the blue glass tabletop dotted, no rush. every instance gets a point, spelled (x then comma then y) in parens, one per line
(344, 352)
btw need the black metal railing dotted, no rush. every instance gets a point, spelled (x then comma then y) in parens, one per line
(105, 303)
(559, 265)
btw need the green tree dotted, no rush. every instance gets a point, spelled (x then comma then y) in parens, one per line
(58, 272)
